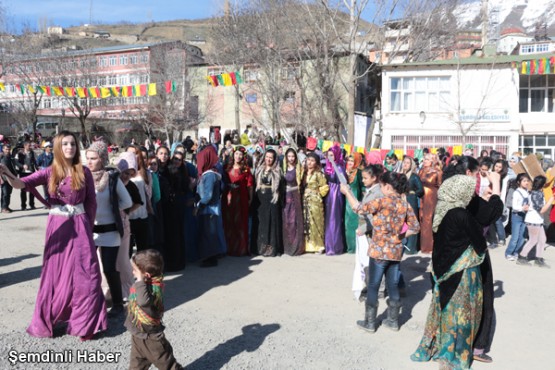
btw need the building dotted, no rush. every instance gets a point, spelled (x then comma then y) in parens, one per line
(490, 102)
(510, 38)
(290, 102)
(110, 69)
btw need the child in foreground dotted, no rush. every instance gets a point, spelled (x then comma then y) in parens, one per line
(145, 310)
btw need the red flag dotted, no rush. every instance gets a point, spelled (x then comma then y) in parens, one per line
(143, 89)
(215, 82)
(410, 153)
(383, 153)
(233, 79)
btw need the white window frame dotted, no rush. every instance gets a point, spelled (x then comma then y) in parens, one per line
(133, 59)
(410, 87)
(547, 87)
(123, 60)
(103, 62)
(113, 61)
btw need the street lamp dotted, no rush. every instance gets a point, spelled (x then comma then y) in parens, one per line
(422, 117)
(61, 126)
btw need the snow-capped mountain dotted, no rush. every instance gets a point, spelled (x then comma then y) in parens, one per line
(510, 13)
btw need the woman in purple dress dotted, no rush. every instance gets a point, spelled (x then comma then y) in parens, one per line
(70, 290)
(335, 204)
(293, 233)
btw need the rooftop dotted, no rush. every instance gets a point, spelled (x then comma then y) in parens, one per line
(474, 60)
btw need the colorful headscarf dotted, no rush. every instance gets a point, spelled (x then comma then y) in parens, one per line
(455, 192)
(126, 161)
(338, 158)
(357, 158)
(101, 149)
(207, 159)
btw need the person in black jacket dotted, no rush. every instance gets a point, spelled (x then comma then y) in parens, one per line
(7, 160)
(26, 164)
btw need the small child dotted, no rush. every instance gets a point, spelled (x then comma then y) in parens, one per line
(145, 310)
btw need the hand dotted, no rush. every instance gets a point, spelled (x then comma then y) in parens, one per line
(25, 167)
(360, 232)
(345, 188)
(487, 194)
(525, 208)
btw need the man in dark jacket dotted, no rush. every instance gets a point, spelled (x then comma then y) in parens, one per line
(26, 164)
(6, 160)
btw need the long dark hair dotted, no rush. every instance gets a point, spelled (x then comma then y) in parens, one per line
(459, 166)
(374, 170)
(518, 180)
(539, 182)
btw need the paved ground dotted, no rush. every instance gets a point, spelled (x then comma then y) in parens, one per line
(278, 313)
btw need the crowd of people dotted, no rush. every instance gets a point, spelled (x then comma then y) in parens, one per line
(189, 204)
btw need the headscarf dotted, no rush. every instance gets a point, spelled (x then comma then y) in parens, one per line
(514, 158)
(412, 166)
(373, 157)
(207, 159)
(338, 158)
(455, 192)
(101, 149)
(126, 161)
(357, 157)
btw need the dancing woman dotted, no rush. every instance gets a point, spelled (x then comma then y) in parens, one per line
(70, 285)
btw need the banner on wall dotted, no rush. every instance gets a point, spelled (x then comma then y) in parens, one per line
(362, 124)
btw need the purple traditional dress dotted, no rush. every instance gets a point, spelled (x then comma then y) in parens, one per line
(70, 290)
(335, 206)
(293, 234)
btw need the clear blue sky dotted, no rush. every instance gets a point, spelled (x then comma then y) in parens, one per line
(77, 12)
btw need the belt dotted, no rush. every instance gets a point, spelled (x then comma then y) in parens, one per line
(67, 210)
(100, 229)
(234, 186)
(291, 188)
(265, 186)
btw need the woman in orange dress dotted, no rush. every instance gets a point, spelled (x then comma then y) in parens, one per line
(430, 175)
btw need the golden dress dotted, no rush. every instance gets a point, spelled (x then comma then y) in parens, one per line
(315, 190)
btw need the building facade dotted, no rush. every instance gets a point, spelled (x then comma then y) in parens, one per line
(490, 102)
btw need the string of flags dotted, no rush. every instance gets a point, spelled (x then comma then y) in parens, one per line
(325, 145)
(537, 66)
(225, 79)
(96, 92)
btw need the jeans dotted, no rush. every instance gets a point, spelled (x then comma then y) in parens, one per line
(109, 256)
(517, 233)
(6, 194)
(500, 229)
(376, 270)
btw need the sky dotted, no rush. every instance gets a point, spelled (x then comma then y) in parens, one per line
(67, 13)
(77, 12)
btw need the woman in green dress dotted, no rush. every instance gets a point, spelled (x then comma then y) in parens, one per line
(354, 162)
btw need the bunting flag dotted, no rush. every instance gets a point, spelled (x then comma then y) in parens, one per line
(82, 92)
(347, 148)
(98, 92)
(326, 145)
(115, 90)
(225, 79)
(151, 89)
(105, 92)
(538, 66)
(58, 91)
(170, 87)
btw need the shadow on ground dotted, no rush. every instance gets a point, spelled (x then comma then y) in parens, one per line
(417, 282)
(194, 281)
(252, 338)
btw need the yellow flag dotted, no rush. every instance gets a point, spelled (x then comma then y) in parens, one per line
(457, 150)
(151, 89)
(347, 148)
(81, 92)
(399, 153)
(326, 145)
(2, 87)
(227, 79)
(360, 149)
(31, 89)
(433, 150)
(105, 92)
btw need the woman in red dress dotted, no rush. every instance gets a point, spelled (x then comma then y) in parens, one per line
(430, 176)
(236, 200)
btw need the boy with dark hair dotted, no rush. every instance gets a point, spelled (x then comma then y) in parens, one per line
(145, 310)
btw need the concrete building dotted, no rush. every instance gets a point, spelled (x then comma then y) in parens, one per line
(485, 101)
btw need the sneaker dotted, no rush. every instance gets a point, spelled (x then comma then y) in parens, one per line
(6, 210)
(492, 245)
(540, 262)
(501, 243)
(510, 257)
(522, 261)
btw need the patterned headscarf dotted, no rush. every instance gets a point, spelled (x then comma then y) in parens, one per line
(101, 149)
(338, 158)
(455, 192)
(126, 161)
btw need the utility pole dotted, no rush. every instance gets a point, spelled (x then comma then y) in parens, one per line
(352, 78)
(485, 22)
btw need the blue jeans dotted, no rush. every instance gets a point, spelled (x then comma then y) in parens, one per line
(500, 229)
(376, 270)
(518, 227)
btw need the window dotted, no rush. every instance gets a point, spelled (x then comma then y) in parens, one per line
(123, 60)
(133, 59)
(289, 72)
(415, 94)
(103, 61)
(250, 98)
(536, 93)
(527, 49)
(112, 80)
(144, 58)
(113, 61)
(289, 97)
(542, 48)
(251, 75)
(143, 79)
